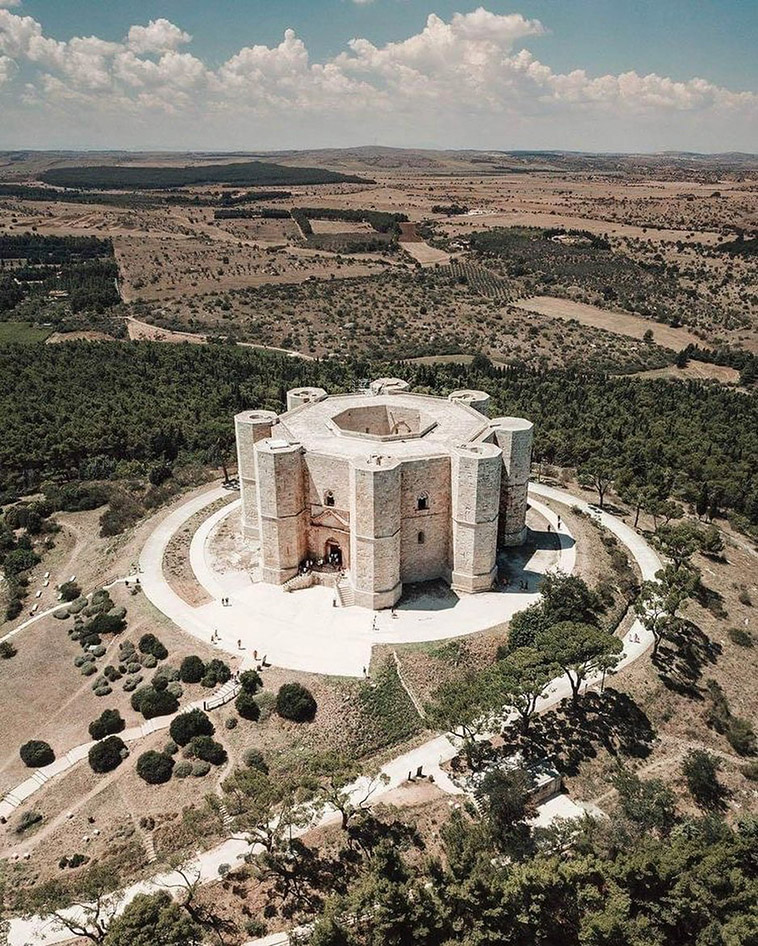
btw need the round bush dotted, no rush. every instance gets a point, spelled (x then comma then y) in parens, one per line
(155, 767)
(81, 660)
(171, 748)
(118, 613)
(247, 706)
(77, 606)
(103, 690)
(250, 681)
(295, 702)
(200, 768)
(159, 682)
(231, 722)
(133, 666)
(107, 755)
(149, 661)
(182, 769)
(253, 759)
(149, 644)
(61, 614)
(266, 704)
(192, 669)
(156, 703)
(70, 591)
(207, 749)
(98, 651)
(36, 754)
(131, 683)
(186, 726)
(108, 723)
(88, 669)
(175, 689)
(216, 672)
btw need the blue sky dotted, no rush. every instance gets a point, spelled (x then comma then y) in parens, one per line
(593, 74)
(717, 39)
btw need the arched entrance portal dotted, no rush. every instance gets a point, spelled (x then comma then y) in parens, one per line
(333, 553)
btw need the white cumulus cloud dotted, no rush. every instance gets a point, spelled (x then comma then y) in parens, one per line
(469, 81)
(157, 37)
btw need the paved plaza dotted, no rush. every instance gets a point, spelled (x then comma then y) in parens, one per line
(304, 630)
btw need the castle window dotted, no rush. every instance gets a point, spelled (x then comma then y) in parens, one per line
(421, 538)
(328, 498)
(422, 502)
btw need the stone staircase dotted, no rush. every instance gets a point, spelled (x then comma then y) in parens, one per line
(152, 857)
(345, 593)
(225, 695)
(226, 817)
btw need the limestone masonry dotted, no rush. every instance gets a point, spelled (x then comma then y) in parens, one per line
(389, 486)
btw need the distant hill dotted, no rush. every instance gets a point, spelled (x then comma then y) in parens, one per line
(109, 177)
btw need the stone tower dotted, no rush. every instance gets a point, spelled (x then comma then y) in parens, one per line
(375, 531)
(514, 437)
(475, 483)
(250, 427)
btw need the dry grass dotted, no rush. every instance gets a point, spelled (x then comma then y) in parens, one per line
(620, 323)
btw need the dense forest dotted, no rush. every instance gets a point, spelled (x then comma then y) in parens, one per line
(80, 270)
(68, 410)
(108, 177)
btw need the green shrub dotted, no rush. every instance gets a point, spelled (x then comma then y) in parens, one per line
(216, 672)
(108, 723)
(155, 703)
(266, 704)
(186, 726)
(192, 669)
(98, 650)
(231, 722)
(741, 736)
(207, 749)
(36, 754)
(104, 624)
(155, 767)
(7, 650)
(182, 769)
(295, 702)
(201, 768)
(247, 706)
(750, 771)
(70, 591)
(76, 607)
(250, 681)
(159, 683)
(253, 759)
(740, 637)
(108, 754)
(28, 820)
(175, 689)
(171, 748)
(88, 668)
(149, 644)
(14, 609)
(61, 614)
(148, 661)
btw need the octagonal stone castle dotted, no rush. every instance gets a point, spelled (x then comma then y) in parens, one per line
(387, 486)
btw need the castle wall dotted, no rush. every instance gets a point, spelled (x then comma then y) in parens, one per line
(475, 488)
(424, 561)
(250, 427)
(282, 511)
(375, 531)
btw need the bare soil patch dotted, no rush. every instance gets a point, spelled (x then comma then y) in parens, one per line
(620, 323)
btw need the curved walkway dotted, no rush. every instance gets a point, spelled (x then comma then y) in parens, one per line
(41, 931)
(303, 630)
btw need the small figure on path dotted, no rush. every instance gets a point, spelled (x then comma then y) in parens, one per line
(239, 645)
